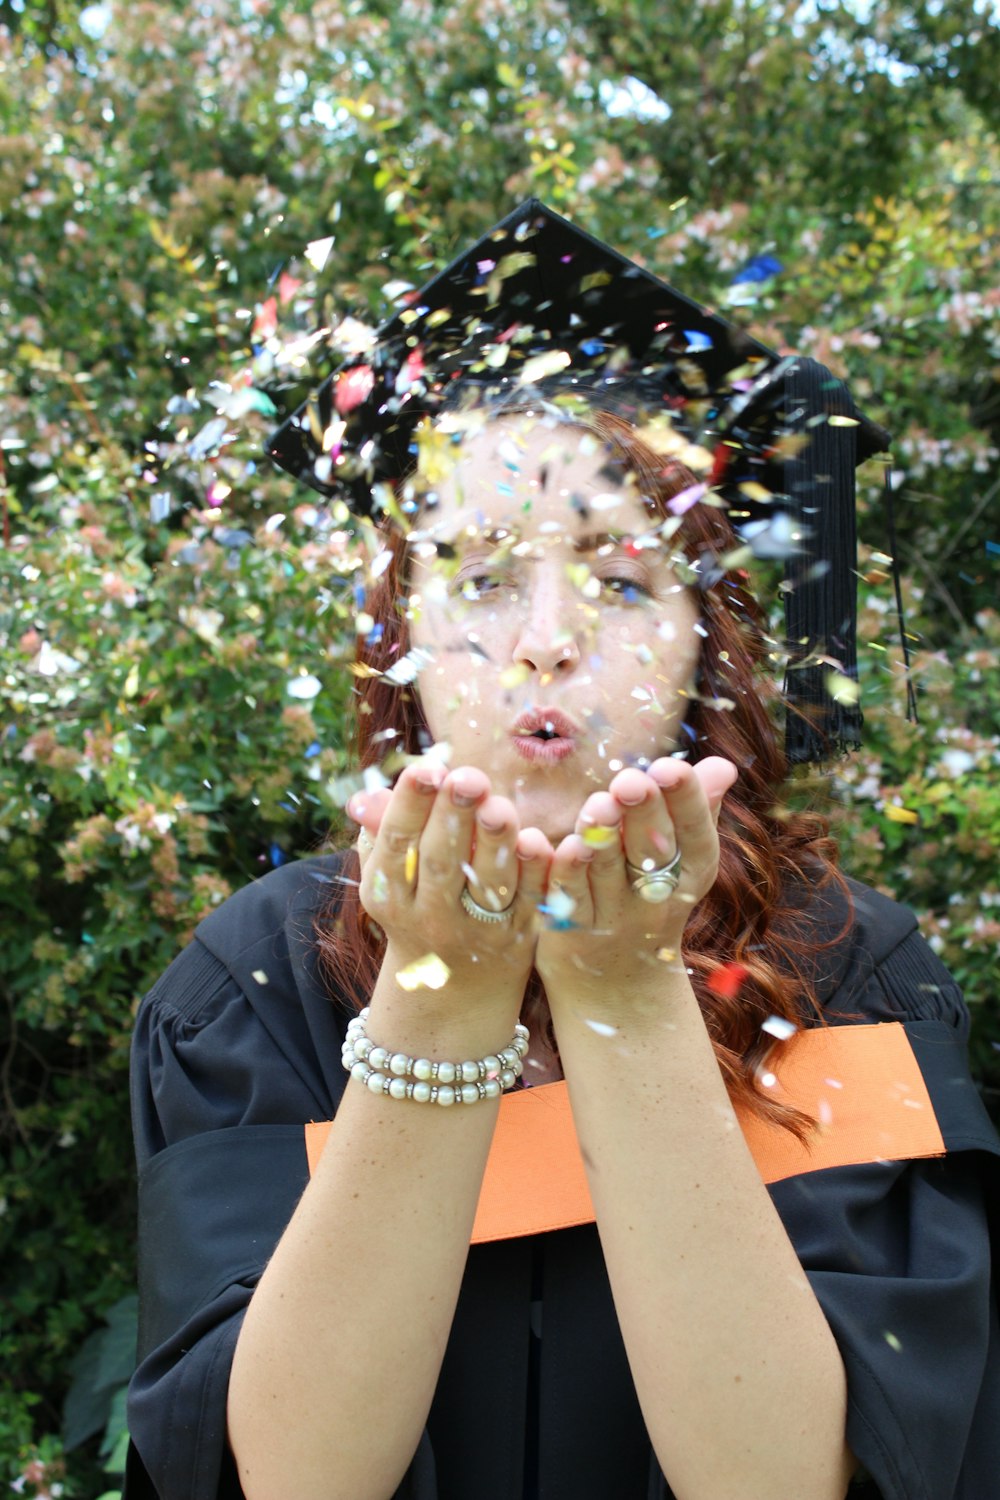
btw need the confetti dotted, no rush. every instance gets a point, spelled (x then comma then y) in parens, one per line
(897, 814)
(842, 689)
(409, 667)
(317, 252)
(893, 1342)
(514, 676)
(303, 687)
(353, 388)
(599, 837)
(429, 972)
(260, 976)
(779, 1027)
(542, 365)
(727, 981)
(602, 1028)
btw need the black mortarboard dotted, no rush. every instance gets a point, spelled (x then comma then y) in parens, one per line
(539, 303)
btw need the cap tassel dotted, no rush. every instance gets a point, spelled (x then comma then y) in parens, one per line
(821, 579)
(911, 692)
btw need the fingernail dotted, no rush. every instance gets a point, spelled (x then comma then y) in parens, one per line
(462, 796)
(491, 823)
(426, 784)
(633, 799)
(354, 809)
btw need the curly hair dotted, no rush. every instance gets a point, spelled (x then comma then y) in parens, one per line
(743, 946)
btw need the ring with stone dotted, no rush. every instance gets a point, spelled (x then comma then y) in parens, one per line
(483, 913)
(656, 884)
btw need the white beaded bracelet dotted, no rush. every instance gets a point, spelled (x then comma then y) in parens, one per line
(427, 1082)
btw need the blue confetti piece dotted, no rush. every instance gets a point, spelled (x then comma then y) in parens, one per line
(993, 549)
(277, 855)
(697, 340)
(761, 268)
(593, 346)
(374, 635)
(314, 749)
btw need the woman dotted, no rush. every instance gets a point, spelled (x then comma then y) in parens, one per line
(737, 1283)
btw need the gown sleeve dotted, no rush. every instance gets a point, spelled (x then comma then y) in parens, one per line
(899, 1253)
(234, 1047)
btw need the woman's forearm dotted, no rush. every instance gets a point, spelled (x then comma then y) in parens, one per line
(342, 1343)
(740, 1380)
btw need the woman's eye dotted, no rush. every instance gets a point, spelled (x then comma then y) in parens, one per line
(475, 585)
(628, 589)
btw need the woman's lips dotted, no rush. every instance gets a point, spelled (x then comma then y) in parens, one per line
(543, 752)
(544, 735)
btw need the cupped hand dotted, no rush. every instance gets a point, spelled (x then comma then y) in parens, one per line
(606, 933)
(427, 839)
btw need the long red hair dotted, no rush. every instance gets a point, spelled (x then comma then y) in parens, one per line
(742, 944)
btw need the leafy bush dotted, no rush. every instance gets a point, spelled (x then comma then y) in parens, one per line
(174, 622)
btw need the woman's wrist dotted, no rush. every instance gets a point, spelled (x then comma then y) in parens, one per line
(454, 1021)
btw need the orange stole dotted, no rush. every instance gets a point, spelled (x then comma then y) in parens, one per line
(861, 1083)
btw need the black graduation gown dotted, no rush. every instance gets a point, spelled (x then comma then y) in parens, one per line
(238, 1045)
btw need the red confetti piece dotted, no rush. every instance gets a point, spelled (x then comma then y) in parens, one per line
(727, 981)
(353, 388)
(266, 321)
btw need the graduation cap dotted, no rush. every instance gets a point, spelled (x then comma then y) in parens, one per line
(538, 304)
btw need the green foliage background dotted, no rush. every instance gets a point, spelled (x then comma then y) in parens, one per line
(161, 742)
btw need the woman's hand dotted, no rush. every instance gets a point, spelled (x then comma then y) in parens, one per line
(604, 937)
(424, 842)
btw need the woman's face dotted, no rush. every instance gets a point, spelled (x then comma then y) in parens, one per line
(561, 639)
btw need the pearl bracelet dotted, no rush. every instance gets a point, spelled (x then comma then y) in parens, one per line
(402, 1077)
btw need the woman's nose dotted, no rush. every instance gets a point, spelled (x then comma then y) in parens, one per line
(549, 635)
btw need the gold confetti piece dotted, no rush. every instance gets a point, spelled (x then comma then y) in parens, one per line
(260, 976)
(429, 972)
(595, 279)
(754, 491)
(666, 955)
(549, 363)
(842, 689)
(410, 868)
(838, 421)
(598, 837)
(892, 1341)
(901, 814)
(512, 677)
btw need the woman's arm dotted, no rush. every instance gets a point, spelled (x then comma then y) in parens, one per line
(342, 1343)
(739, 1377)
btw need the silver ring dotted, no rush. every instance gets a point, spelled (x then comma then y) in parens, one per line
(365, 841)
(483, 913)
(656, 885)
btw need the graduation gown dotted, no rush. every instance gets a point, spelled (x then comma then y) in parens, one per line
(237, 1047)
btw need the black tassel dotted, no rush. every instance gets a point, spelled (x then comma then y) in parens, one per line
(821, 579)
